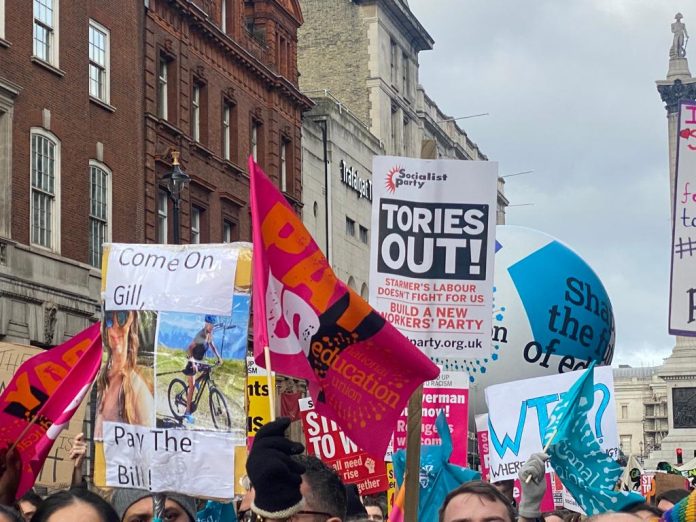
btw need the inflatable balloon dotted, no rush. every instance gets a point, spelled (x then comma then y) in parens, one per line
(551, 314)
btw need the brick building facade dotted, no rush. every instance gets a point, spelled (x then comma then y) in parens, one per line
(70, 155)
(220, 84)
(94, 98)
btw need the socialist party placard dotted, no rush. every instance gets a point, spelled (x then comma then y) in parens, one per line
(433, 242)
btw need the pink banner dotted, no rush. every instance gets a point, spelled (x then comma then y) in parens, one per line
(42, 397)
(361, 370)
(483, 445)
(449, 393)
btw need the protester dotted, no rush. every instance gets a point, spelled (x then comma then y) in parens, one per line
(476, 501)
(561, 515)
(533, 483)
(28, 504)
(376, 507)
(614, 517)
(354, 507)
(285, 485)
(669, 498)
(7, 514)
(77, 504)
(683, 511)
(10, 474)
(323, 492)
(78, 450)
(645, 511)
(507, 488)
(123, 395)
(133, 505)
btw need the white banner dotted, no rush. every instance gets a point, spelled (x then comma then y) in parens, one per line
(171, 278)
(682, 305)
(433, 241)
(518, 413)
(164, 459)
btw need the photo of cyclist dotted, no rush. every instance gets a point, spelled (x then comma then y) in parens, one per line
(197, 350)
(200, 370)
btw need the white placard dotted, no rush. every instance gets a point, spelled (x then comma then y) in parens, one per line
(682, 303)
(171, 278)
(518, 413)
(165, 459)
(433, 241)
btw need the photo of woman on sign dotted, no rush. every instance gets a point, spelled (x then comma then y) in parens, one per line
(124, 385)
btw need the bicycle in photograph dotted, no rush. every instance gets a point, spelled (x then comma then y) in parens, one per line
(216, 400)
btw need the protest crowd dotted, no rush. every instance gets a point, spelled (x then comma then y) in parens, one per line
(174, 459)
(288, 486)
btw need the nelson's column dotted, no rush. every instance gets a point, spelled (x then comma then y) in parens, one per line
(679, 369)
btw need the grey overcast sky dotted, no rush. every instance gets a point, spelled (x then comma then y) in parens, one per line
(570, 88)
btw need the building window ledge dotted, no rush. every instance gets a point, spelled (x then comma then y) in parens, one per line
(232, 167)
(201, 149)
(48, 66)
(102, 104)
(172, 130)
(5, 43)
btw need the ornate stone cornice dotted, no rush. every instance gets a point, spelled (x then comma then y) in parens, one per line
(672, 94)
(200, 21)
(679, 377)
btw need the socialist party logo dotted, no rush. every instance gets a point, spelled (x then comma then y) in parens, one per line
(400, 177)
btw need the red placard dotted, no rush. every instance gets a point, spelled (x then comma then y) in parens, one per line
(324, 439)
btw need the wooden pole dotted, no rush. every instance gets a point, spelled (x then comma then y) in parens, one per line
(269, 377)
(415, 417)
(413, 447)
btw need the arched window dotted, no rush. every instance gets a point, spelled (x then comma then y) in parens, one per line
(45, 189)
(99, 210)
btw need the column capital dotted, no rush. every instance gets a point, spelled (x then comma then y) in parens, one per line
(674, 92)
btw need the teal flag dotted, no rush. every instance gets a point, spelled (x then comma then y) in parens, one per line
(437, 476)
(216, 512)
(586, 471)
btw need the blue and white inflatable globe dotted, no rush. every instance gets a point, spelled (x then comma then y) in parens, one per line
(551, 314)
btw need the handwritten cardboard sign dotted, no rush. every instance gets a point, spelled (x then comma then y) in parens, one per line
(682, 305)
(185, 278)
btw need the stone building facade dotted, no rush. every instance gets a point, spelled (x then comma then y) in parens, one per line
(338, 149)
(641, 410)
(366, 53)
(444, 138)
(362, 72)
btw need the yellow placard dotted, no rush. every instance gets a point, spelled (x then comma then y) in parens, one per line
(259, 411)
(240, 458)
(258, 402)
(391, 492)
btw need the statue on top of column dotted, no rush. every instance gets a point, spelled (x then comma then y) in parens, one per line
(681, 37)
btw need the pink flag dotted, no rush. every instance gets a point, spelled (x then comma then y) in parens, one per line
(361, 370)
(43, 396)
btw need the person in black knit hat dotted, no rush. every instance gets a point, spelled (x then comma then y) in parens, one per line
(356, 510)
(286, 483)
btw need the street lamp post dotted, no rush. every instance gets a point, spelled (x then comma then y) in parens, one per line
(176, 180)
